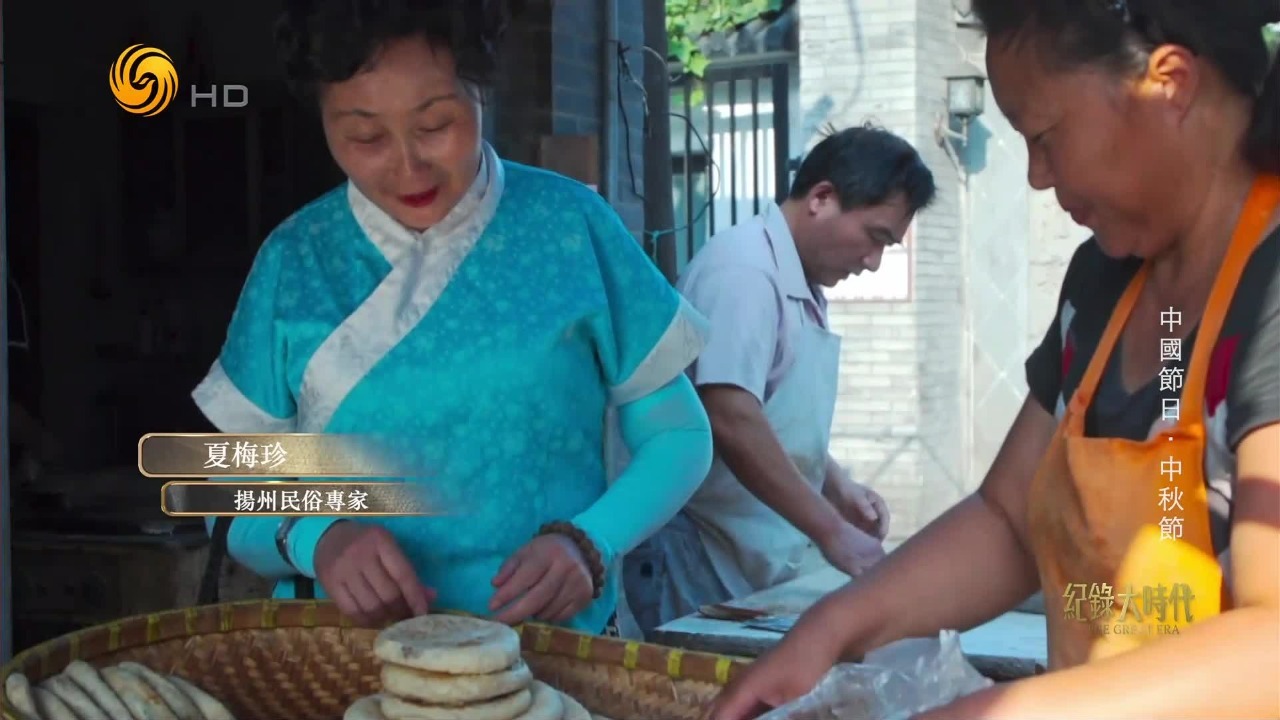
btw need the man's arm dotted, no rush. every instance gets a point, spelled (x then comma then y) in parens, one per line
(747, 445)
(832, 477)
(833, 481)
(836, 481)
(743, 307)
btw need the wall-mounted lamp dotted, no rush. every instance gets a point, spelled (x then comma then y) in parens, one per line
(966, 93)
(966, 99)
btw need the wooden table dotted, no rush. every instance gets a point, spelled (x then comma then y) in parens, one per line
(1009, 647)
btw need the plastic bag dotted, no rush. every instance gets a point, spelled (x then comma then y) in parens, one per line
(893, 683)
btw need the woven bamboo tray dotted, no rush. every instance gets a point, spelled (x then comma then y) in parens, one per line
(301, 660)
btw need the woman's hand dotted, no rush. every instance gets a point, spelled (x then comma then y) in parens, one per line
(781, 675)
(363, 569)
(547, 579)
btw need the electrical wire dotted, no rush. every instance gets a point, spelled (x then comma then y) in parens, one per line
(625, 74)
(712, 167)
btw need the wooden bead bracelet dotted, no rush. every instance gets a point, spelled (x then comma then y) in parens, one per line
(595, 564)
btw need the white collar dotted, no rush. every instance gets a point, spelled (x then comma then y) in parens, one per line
(472, 212)
(791, 278)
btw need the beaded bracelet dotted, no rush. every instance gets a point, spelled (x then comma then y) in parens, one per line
(595, 565)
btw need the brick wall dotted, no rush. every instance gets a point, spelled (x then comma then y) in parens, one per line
(552, 84)
(1019, 244)
(520, 105)
(941, 271)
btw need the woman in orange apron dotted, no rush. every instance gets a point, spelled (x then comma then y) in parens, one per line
(1139, 487)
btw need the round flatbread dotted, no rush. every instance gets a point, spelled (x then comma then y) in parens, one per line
(209, 706)
(50, 706)
(366, 708)
(451, 644)
(548, 703)
(445, 689)
(573, 710)
(90, 681)
(17, 690)
(508, 707)
(73, 695)
(141, 699)
(181, 705)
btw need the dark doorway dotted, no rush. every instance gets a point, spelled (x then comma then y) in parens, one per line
(128, 240)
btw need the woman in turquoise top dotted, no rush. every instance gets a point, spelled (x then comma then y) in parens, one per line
(483, 314)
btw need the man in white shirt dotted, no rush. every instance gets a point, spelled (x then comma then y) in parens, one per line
(768, 379)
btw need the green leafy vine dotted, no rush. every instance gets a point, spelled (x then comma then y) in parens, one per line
(689, 20)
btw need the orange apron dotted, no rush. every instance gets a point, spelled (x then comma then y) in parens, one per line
(1113, 579)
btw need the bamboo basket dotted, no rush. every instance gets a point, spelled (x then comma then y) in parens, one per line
(301, 660)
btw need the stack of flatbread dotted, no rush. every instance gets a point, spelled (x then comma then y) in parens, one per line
(445, 667)
(128, 691)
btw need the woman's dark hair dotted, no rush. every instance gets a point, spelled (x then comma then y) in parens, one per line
(1120, 35)
(327, 41)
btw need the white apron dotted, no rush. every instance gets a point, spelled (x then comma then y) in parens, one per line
(750, 546)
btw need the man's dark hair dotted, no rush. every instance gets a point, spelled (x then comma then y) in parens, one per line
(328, 41)
(867, 166)
(1119, 35)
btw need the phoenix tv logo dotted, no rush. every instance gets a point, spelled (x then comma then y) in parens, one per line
(144, 82)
